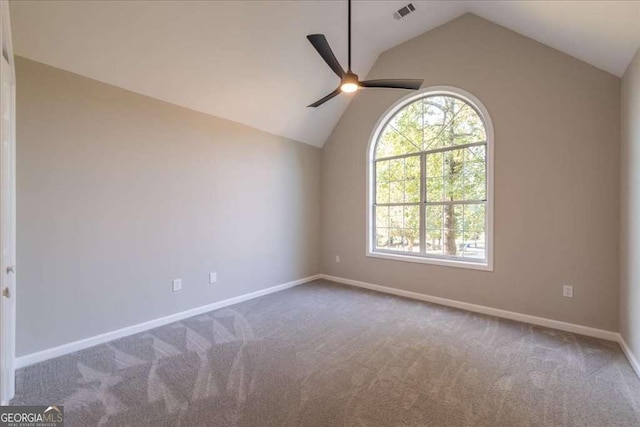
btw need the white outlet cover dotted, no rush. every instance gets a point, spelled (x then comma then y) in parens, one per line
(337, 258)
(567, 291)
(213, 278)
(177, 285)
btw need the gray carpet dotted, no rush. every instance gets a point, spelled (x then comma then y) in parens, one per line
(323, 354)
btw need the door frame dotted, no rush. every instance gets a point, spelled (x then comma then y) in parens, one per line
(8, 221)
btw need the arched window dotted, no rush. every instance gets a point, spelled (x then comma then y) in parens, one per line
(430, 178)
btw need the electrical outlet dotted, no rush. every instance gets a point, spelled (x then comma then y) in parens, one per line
(213, 278)
(567, 291)
(337, 258)
(177, 285)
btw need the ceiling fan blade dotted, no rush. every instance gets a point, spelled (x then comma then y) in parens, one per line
(393, 83)
(319, 41)
(326, 98)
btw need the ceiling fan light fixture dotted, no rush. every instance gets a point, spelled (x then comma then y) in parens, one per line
(349, 83)
(349, 87)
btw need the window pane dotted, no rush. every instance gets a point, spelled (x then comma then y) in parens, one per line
(382, 238)
(444, 125)
(450, 121)
(474, 244)
(398, 228)
(437, 120)
(396, 170)
(435, 189)
(395, 239)
(395, 142)
(408, 123)
(434, 217)
(474, 217)
(412, 217)
(475, 154)
(453, 162)
(452, 229)
(467, 126)
(397, 192)
(434, 222)
(412, 191)
(382, 192)
(434, 118)
(474, 235)
(411, 241)
(454, 187)
(382, 171)
(396, 216)
(434, 242)
(475, 182)
(475, 186)
(434, 166)
(453, 217)
(382, 216)
(474, 167)
(412, 167)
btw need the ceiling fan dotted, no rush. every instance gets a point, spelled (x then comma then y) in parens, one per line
(349, 80)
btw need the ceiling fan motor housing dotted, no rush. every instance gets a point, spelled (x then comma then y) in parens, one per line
(350, 77)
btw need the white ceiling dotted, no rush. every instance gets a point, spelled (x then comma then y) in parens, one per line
(249, 61)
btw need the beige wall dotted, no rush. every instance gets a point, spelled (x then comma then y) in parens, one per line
(557, 155)
(118, 194)
(630, 209)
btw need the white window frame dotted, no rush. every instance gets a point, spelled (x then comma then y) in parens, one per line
(487, 263)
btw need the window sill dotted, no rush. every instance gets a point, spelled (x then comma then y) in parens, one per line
(433, 261)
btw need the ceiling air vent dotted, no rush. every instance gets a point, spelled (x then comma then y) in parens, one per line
(404, 11)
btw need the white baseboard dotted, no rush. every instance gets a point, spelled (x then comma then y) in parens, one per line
(633, 361)
(71, 347)
(526, 318)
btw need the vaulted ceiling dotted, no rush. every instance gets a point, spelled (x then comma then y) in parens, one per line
(249, 61)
